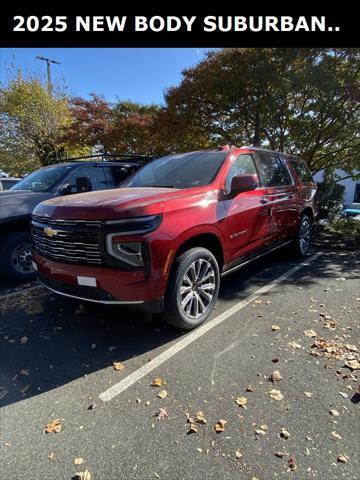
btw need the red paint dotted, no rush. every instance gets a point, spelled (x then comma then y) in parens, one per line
(241, 225)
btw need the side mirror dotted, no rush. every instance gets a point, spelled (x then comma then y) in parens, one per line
(243, 183)
(83, 184)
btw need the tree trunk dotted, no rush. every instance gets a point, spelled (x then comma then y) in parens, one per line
(257, 128)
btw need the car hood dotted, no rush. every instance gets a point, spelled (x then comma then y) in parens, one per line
(109, 204)
(19, 204)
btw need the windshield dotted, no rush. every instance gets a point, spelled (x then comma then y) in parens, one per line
(179, 171)
(42, 180)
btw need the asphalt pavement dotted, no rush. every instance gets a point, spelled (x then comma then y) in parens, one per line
(57, 357)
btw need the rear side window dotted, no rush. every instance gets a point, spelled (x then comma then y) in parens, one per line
(302, 170)
(119, 173)
(272, 172)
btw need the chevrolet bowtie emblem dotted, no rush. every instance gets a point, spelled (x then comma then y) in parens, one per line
(50, 232)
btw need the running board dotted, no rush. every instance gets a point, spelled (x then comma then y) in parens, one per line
(256, 257)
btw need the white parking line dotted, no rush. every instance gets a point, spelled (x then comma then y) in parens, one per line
(138, 374)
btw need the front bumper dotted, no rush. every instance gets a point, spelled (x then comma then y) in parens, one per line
(111, 286)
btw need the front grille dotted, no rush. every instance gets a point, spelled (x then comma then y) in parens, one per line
(73, 241)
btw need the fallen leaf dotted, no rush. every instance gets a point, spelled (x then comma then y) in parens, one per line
(280, 454)
(85, 475)
(192, 428)
(336, 435)
(118, 366)
(162, 414)
(249, 388)
(78, 461)
(276, 395)
(24, 340)
(292, 463)
(330, 324)
(343, 458)
(162, 394)
(54, 426)
(51, 456)
(293, 344)
(310, 333)
(284, 433)
(343, 394)
(353, 364)
(241, 401)
(258, 301)
(238, 454)
(92, 406)
(220, 426)
(275, 376)
(334, 413)
(157, 382)
(275, 328)
(200, 417)
(262, 430)
(308, 394)
(199, 450)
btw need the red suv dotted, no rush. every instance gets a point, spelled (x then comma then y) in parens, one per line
(175, 227)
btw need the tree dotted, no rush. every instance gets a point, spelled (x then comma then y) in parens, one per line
(302, 101)
(32, 124)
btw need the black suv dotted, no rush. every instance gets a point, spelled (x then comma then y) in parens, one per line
(83, 174)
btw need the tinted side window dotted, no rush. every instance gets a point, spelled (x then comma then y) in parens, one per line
(95, 174)
(118, 173)
(271, 171)
(243, 164)
(302, 170)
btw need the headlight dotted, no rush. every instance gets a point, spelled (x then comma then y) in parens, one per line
(127, 252)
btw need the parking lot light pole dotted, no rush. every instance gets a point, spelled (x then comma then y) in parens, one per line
(48, 61)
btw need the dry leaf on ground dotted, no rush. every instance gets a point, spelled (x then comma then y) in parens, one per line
(275, 328)
(157, 382)
(336, 435)
(343, 458)
(24, 339)
(275, 376)
(292, 463)
(118, 366)
(294, 344)
(308, 394)
(162, 414)
(200, 417)
(51, 456)
(276, 394)
(310, 333)
(192, 428)
(249, 388)
(353, 364)
(284, 433)
(78, 461)
(85, 475)
(241, 401)
(220, 426)
(53, 427)
(162, 394)
(334, 413)
(238, 454)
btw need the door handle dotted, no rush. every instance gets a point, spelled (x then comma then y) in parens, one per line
(264, 200)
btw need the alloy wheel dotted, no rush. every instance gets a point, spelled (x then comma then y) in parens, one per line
(197, 288)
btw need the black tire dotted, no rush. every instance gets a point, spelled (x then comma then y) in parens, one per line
(15, 259)
(300, 246)
(208, 271)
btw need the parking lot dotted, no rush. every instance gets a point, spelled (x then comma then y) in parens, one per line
(285, 402)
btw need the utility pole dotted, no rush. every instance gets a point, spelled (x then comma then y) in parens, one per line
(48, 61)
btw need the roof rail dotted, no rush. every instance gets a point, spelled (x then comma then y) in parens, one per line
(111, 157)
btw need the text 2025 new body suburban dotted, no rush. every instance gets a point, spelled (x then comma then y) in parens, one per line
(164, 240)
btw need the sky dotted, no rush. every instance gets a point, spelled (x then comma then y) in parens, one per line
(137, 74)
